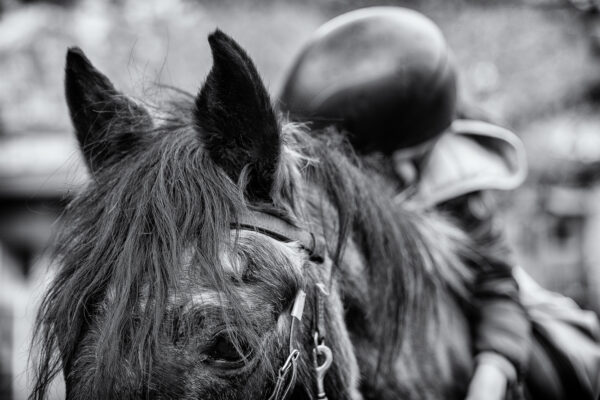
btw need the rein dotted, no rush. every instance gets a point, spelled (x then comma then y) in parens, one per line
(282, 230)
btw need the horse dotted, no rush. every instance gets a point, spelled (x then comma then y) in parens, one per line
(220, 251)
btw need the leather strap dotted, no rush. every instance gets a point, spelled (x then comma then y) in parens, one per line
(280, 229)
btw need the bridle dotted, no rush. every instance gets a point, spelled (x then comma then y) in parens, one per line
(284, 231)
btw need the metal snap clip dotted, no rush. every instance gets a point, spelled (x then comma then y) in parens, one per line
(324, 352)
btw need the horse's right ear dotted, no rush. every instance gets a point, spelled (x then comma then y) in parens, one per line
(107, 123)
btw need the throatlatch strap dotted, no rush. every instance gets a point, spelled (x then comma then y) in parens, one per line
(279, 229)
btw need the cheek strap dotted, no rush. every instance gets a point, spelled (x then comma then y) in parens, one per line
(283, 230)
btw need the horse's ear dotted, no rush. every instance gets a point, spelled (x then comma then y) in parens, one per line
(236, 120)
(107, 123)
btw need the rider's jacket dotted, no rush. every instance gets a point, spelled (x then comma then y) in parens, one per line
(470, 159)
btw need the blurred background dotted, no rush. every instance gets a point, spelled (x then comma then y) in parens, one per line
(532, 65)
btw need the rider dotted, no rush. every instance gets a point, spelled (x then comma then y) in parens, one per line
(386, 78)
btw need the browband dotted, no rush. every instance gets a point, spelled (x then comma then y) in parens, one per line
(282, 230)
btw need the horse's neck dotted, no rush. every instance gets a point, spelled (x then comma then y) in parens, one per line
(435, 360)
(393, 255)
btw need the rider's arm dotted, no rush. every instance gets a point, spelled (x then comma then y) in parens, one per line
(502, 326)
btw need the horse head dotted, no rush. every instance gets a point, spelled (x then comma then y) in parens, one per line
(184, 263)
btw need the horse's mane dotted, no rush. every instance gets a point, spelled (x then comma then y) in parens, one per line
(414, 258)
(135, 222)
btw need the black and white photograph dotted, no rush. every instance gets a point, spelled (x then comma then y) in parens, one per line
(300, 199)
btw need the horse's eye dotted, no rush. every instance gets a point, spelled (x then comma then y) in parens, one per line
(223, 351)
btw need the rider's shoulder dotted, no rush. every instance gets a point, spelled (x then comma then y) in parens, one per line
(472, 156)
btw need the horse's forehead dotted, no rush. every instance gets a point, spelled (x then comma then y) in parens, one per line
(249, 247)
(235, 257)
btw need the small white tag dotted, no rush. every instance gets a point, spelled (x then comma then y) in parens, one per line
(298, 308)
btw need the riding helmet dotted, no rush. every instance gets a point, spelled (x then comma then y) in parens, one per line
(385, 75)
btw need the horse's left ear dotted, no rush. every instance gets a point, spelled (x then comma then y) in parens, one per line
(236, 120)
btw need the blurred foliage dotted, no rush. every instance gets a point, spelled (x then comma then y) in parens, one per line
(137, 44)
(518, 60)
